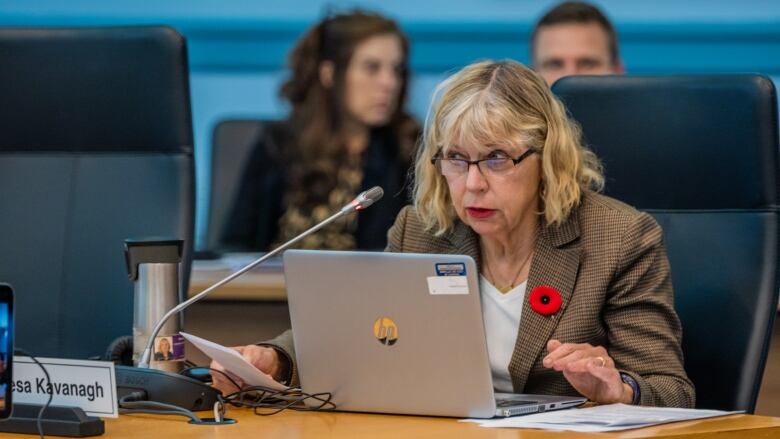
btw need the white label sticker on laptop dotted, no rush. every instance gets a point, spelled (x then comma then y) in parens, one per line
(443, 285)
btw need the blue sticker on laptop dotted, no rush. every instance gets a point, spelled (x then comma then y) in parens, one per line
(451, 269)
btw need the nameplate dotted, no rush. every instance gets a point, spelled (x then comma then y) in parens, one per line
(90, 385)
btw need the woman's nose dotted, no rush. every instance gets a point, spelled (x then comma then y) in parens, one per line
(475, 179)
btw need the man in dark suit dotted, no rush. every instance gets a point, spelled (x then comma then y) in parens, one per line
(574, 38)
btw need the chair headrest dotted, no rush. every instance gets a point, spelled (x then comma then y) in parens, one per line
(681, 142)
(94, 89)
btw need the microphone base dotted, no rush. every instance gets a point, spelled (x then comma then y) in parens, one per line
(56, 421)
(165, 387)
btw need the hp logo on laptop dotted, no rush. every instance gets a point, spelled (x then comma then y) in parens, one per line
(386, 331)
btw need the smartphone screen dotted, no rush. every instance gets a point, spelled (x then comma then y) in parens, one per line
(6, 348)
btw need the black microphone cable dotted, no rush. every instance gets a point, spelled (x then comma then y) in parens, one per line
(266, 402)
(136, 402)
(39, 420)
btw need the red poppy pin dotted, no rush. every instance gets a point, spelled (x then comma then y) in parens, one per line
(545, 300)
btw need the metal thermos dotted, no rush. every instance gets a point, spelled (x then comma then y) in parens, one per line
(153, 266)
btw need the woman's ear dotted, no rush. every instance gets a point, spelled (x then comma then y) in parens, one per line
(326, 73)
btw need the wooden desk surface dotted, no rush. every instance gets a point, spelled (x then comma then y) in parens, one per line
(352, 425)
(263, 283)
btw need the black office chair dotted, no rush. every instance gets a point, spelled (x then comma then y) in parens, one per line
(231, 145)
(700, 153)
(95, 147)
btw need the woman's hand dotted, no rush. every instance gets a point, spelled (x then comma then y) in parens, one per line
(262, 357)
(590, 370)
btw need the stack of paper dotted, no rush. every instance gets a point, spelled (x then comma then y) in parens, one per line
(234, 362)
(613, 417)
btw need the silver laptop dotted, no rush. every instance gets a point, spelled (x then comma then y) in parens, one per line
(396, 333)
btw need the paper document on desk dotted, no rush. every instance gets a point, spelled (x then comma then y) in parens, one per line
(233, 362)
(603, 418)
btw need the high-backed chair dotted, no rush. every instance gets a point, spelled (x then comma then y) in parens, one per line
(700, 153)
(95, 147)
(231, 145)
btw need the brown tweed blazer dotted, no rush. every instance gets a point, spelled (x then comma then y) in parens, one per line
(609, 264)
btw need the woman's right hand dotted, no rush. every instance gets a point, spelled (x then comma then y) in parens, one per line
(262, 357)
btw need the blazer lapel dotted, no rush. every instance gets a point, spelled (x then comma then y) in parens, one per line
(465, 242)
(556, 265)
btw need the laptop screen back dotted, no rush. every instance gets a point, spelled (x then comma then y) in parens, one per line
(390, 332)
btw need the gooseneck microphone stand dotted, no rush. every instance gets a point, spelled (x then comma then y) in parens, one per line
(178, 390)
(361, 202)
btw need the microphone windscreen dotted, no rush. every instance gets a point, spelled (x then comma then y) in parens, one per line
(364, 199)
(374, 194)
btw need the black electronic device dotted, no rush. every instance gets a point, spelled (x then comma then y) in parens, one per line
(166, 387)
(182, 390)
(6, 348)
(57, 421)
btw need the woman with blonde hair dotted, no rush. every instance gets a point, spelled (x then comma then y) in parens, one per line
(575, 286)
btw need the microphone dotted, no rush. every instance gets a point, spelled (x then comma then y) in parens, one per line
(364, 200)
(361, 202)
(183, 391)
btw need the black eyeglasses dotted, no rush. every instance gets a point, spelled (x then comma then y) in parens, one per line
(492, 165)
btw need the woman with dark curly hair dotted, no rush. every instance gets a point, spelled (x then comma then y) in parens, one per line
(347, 131)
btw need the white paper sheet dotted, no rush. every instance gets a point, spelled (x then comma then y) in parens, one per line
(603, 418)
(234, 363)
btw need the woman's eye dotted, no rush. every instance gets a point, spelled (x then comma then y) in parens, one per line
(371, 67)
(497, 155)
(454, 155)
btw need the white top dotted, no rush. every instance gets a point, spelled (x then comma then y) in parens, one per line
(501, 315)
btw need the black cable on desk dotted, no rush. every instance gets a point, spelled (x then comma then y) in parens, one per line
(275, 401)
(136, 403)
(39, 420)
(256, 397)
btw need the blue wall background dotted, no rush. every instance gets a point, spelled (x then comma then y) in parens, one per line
(237, 48)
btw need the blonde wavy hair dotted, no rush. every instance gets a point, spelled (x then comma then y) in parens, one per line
(498, 102)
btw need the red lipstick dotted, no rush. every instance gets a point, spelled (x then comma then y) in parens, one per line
(479, 213)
